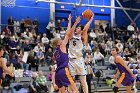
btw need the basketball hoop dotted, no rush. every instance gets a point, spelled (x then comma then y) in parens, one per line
(8, 3)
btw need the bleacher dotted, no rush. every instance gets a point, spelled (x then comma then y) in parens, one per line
(100, 87)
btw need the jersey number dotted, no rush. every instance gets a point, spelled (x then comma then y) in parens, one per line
(74, 43)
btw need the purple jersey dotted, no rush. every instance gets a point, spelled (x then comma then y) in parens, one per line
(1, 72)
(125, 79)
(121, 68)
(61, 59)
(62, 75)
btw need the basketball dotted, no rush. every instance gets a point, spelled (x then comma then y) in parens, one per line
(87, 14)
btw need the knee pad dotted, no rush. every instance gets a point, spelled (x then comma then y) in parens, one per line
(115, 89)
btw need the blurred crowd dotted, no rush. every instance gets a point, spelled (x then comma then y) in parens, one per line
(26, 47)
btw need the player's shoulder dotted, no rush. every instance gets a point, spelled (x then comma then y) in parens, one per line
(118, 58)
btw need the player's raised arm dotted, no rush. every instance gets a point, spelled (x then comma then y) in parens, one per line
(65, 41)
(74, 27)
(84, 34)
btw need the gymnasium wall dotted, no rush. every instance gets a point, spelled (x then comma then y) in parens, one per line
(29, 8)
(122, 19)
(41, 10)
(76, 11)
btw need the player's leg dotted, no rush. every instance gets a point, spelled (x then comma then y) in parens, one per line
(128, 88)
(84, 83)
(62, 90)
(118, 83)
(73, 88)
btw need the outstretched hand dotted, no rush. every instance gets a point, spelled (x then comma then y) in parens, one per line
(70, 17)
(78, 19)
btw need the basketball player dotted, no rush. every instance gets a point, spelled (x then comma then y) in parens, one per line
(77, 40)
(62, 76)
(125, 73)
(3, 66)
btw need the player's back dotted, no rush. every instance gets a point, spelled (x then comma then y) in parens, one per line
(61, 58)
(75, 47)
(121, 68)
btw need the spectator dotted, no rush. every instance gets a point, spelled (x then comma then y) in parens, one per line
(112, 62)
(99, 58)
(14, 61)
(101, 27)
(87, 48)
(27, 34)
(63, 23)
(18, 51)
(44, 39)
(22, 25)
(13, 44)
(58, 25)
(35, 88)
(42, 47)
(50, 25)
(32, 61)
(37, 48)
(127, 53)
(62, 33)
(41, 80)
(33, 32)
(11, 24)
(36, 24)
(56, 34)
(7, 31)
(90, 57)
(119, 45)
(40, 57)
(108, 29)
(16, 25)
(110, 42)
(27, 49)
(130, 27)
(92, 34)
(108, 48)
(102, 48)
(38, 39)
(49, 55)
(28, 22)
(135, 35)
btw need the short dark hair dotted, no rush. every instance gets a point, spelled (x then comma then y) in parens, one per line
(116, 49)
(82, 27)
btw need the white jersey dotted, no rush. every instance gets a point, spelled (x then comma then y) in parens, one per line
(75, 47)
